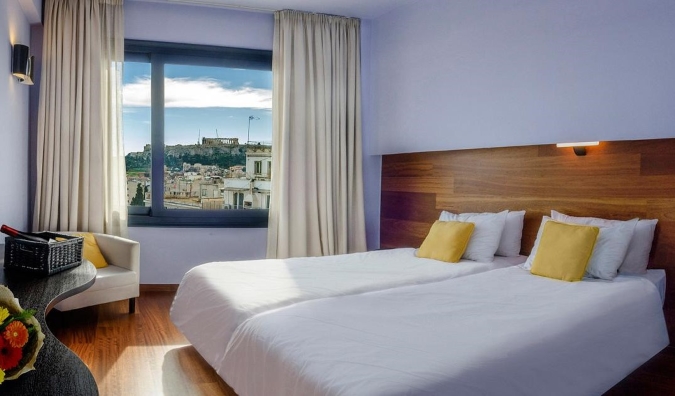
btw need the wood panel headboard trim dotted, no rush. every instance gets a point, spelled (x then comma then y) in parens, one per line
(615, 180)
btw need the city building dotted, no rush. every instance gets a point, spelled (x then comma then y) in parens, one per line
(200, 186)
(252, 190)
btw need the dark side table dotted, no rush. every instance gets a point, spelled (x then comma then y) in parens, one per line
(58, 371)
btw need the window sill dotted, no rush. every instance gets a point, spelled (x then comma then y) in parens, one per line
(240, 219)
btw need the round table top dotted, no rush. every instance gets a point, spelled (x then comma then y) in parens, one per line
(58, 371)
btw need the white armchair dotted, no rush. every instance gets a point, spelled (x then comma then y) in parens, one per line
(118, 281)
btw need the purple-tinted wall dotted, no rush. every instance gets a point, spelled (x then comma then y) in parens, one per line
(14, 101)
(198, 25)
(372, 164)
(36, 35)
(484, 73)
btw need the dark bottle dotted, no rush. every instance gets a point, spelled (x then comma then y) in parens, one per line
(22, 235)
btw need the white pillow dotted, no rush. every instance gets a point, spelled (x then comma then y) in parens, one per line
(528, 263)
(637, 255)
(512, 234)
(486, 234)
(509, 244)
(610, 249)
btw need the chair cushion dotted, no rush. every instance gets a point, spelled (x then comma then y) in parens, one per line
(91, 251)
(113, 276)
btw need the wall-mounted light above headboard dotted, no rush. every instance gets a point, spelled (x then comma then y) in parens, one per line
(578, 147)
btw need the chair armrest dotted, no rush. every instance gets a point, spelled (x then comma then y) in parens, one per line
(120, 252)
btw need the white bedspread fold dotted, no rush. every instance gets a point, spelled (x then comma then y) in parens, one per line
(503, 332)
(215, 298)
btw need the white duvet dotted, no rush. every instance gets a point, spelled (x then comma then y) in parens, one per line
(214, 299)
(503, 332)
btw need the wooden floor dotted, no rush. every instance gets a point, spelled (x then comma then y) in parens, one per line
(144, 354)
(141, 354)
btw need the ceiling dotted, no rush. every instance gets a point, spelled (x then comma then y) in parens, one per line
(365, 9)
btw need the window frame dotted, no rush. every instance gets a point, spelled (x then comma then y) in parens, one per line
(158, 54)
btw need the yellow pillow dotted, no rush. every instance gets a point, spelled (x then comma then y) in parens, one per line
(446, 241)
(90, 250)
(564, 251)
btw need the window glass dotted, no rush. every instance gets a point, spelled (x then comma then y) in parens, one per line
(137, 132)
(198, 132)
(212, 115)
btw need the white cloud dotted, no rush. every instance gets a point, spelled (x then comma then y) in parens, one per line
(183, 92)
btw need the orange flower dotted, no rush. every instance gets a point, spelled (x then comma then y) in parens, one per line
(16, 334)
(9, 357)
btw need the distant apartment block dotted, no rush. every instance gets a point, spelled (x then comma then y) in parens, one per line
(252, 190)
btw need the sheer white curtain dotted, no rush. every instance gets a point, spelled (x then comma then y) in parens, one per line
(317, 185)
(81, 182)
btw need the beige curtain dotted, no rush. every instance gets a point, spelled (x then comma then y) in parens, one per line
(81, 183)
(317, 185)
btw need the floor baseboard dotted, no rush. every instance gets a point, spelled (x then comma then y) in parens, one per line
(157, 287)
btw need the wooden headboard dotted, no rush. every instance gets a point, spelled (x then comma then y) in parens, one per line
(615, 180)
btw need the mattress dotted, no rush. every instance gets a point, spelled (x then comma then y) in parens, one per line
(502, 332)
(658, 278)
(214, 299)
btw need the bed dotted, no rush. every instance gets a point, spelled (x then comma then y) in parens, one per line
(504, 332)
(576, 317)
(214, 299)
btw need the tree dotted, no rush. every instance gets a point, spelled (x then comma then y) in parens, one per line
(139, 198)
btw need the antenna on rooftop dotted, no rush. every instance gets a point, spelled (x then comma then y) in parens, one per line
(248, 133)
(199, 137)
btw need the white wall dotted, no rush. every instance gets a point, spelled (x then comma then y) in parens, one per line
(32, 9)
(198, 25)
(14, 29)
(372, 164)
(484, 73)
(167, 253)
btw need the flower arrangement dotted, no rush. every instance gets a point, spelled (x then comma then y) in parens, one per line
(20, 337)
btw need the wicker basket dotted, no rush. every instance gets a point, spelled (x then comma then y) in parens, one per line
(42, 258)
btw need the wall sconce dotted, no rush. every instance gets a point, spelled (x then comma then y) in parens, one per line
(22, 64)
(578, 147)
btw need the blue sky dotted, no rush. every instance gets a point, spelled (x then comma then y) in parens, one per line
(198, 101)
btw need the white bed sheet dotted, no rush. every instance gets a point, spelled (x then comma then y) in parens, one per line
(214, 299)
(502, 332)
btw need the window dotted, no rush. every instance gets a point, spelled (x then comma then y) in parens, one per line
(238, 200)
(197, 120)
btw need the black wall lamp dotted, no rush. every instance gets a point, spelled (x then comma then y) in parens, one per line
(22, 64)
(578, 147)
